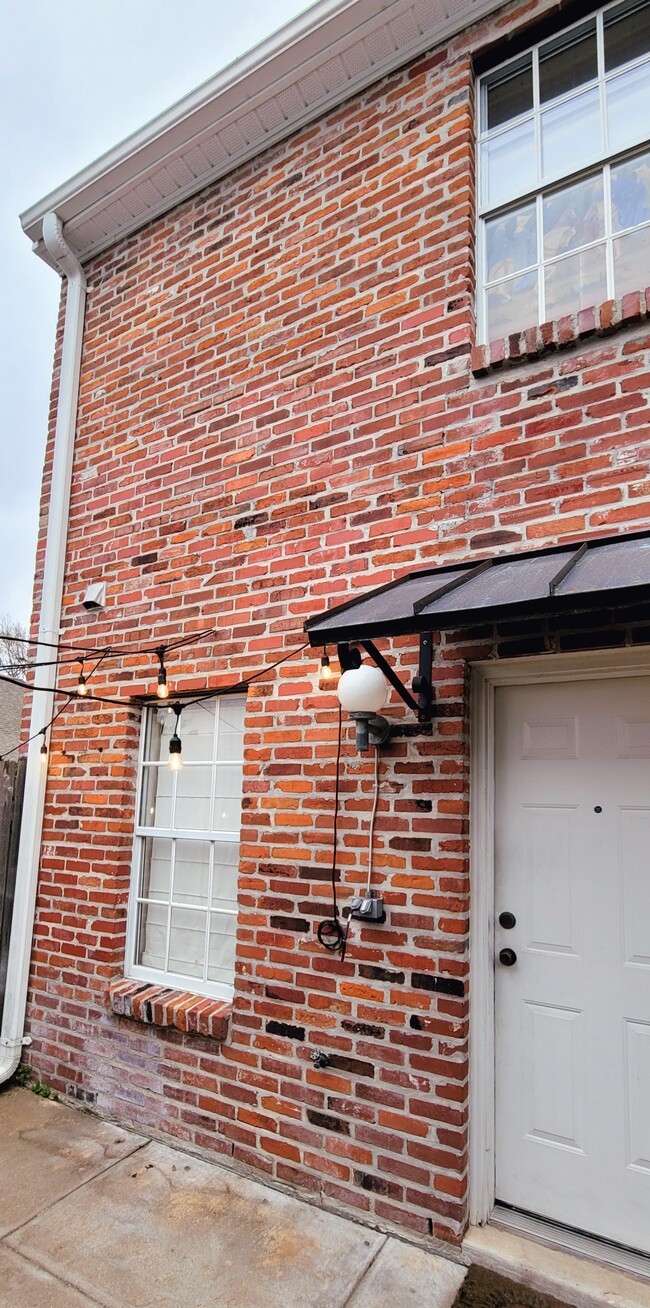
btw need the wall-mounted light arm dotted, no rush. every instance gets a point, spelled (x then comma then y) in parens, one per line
(422, 686)
(390, 674)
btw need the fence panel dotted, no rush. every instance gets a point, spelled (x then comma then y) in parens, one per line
(12, 785)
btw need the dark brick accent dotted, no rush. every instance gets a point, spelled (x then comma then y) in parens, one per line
(327, 1122)
(377, 1184)
(445, 985)
(285, 1029)
(372, 973)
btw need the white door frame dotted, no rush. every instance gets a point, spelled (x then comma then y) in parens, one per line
(484, 680)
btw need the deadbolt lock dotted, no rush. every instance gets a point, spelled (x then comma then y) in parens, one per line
(507, 920)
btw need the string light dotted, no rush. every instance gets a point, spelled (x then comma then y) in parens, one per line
(325, 669)
(175, 761)
(140, 701)
(162, 689)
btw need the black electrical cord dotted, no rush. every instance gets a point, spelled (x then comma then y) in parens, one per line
(331, 934)
(138, 701)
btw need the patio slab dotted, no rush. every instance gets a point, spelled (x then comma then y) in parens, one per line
(164, 1228)
(45, 1159)
(21, 1283)
(402, 1276)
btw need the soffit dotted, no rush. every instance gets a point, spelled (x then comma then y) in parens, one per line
(337, 48)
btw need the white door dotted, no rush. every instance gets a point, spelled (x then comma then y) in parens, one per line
(572, 865)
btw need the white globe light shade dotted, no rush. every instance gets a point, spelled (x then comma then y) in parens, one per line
(362, 690)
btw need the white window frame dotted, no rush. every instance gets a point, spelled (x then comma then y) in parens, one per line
(598, 164)
(138, 971)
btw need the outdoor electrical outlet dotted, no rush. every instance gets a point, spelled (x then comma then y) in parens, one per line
(368, 908)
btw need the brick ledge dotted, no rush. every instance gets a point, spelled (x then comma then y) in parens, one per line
(600, 320)
(157, 1005)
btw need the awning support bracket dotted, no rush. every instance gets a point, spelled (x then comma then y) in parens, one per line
(422, 683)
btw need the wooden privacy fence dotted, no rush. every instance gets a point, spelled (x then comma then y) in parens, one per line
(12, 785)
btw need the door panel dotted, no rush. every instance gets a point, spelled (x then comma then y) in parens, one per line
(572, 855)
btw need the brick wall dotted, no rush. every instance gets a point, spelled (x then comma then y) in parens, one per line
(278, 411)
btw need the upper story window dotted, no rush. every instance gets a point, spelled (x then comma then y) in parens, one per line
(564, 190)
(183, 905)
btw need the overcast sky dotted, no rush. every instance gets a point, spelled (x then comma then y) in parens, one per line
(76, 77)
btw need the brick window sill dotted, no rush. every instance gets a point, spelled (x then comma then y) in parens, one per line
(601, 320)
(157, 1005)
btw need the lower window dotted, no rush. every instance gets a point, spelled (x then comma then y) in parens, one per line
(183, 904)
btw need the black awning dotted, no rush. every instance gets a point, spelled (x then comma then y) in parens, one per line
(565, 578)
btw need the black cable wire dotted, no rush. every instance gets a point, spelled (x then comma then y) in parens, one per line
(137, 701)
(126, 648)
(330, 932)
(43, 732)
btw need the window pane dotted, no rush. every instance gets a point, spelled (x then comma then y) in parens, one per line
(191, 871)
(510, 93)
(156, 865)
(511, 242)
(627, 33)
(632, 262)
(187, 942)
(196, 731)
(225, 873)
(508, 163)
(631, 193)
(567, 62)
(156, 799)
(575, 283)
(227, 801)
(152, 936)
(628, 107)
(512, 306)
(221, 956)
(571, 133)
(193, 798)
(230, 738)
(573, 216)
(160, 725)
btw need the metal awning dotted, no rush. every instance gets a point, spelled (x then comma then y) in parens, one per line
(564, 578)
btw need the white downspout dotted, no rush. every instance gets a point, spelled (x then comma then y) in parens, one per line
(12, 1038)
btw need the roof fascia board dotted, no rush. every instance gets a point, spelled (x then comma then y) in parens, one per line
(285, 58)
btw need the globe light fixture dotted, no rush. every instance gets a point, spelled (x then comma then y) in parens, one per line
(362, 692)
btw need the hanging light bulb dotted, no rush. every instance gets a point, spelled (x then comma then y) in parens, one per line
(162, 689)
(43, 749)
(325, 669)
(175, 760)
(82, 685)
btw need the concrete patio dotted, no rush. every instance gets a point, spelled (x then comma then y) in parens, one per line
(92, 1214)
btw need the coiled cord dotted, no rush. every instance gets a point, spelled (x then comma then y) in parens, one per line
(331, 935)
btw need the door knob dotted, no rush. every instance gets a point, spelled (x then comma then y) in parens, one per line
(507, 957)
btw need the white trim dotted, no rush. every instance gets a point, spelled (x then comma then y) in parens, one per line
(485, 677)
(161, 976)
(29, 850)
(334, 50)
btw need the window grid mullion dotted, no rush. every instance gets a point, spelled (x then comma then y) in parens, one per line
(206, 955)
(541, 289)
(609, 242)
(172, 863)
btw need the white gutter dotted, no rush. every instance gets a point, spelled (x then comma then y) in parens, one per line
(12, 1038)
